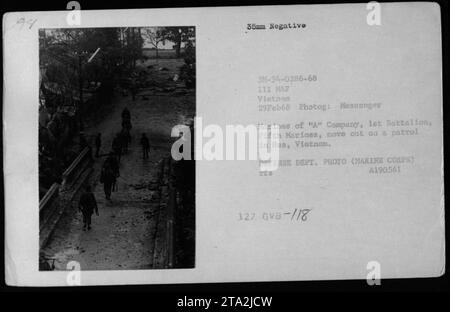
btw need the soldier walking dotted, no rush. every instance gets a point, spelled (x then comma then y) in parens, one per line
(87, 205)
(145, 146)
(109, 175)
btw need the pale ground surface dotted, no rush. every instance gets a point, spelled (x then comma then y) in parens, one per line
(122, 237)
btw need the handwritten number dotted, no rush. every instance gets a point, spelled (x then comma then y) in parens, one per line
(23, 21)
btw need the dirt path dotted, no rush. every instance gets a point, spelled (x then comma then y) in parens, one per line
(122, 237)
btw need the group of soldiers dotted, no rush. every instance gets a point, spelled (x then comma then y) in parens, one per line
(110, 169)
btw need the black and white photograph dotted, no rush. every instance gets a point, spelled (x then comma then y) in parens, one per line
(236, 147)
(111, 197)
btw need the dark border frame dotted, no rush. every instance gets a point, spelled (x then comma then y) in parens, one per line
(278, 289)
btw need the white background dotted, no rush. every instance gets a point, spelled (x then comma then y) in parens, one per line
(396, 220)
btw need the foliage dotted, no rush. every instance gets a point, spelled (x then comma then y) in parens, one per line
(66, 50)
(187, 71)
(155, 37)
(179, 35)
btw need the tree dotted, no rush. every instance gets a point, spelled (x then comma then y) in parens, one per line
(131, 45)
(187, 71)
(178, 35)
(155, 36)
